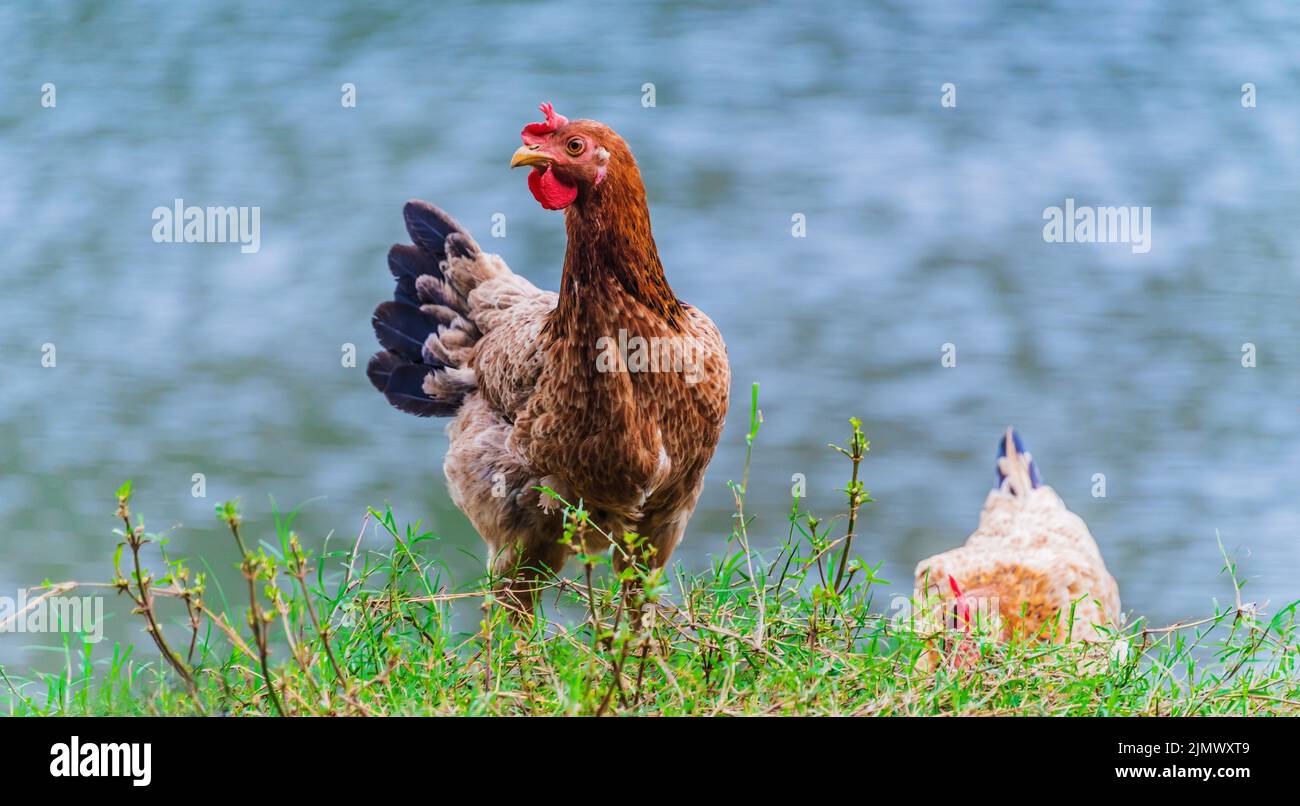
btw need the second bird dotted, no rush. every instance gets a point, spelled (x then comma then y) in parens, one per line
(1032, 567)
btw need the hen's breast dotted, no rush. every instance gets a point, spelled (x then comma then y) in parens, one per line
(626, 408)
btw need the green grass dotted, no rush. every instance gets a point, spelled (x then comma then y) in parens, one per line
(806, 630)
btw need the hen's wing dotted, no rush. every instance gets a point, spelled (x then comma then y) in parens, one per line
(453, 302)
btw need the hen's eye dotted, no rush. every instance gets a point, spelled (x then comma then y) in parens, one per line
(575, 146)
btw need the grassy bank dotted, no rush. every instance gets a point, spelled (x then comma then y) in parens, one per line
(808, 629)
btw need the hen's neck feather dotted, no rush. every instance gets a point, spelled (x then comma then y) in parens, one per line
(611, 252)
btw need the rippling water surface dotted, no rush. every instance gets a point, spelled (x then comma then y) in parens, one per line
(924, 227)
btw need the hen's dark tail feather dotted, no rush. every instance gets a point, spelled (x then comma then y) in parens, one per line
(425, 325)
(1015, 462)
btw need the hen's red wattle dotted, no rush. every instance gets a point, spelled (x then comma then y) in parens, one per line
(550, 191)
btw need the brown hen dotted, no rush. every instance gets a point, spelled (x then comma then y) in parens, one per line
(612, 392)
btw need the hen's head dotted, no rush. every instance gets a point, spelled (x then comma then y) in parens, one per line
(570, 159)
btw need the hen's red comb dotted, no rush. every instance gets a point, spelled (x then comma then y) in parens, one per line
(534, 133)
(963, 607)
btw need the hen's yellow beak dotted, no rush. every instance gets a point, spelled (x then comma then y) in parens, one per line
(529, 155)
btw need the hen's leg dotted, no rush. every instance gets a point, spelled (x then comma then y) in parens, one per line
(522, 571)
(495, 490)
(659, 531)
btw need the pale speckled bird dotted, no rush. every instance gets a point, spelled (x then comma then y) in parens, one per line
(1032, 568)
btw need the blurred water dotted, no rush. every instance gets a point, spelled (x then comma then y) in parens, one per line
(924, 228)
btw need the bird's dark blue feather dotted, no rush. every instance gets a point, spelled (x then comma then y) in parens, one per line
(406, 260)
(405, 292)
(429, 226)
(1020, 448)
(402, 329)
(380, 367)
(405, 390)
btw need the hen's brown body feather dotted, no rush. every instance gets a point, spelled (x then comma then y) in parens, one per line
(537, 408)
